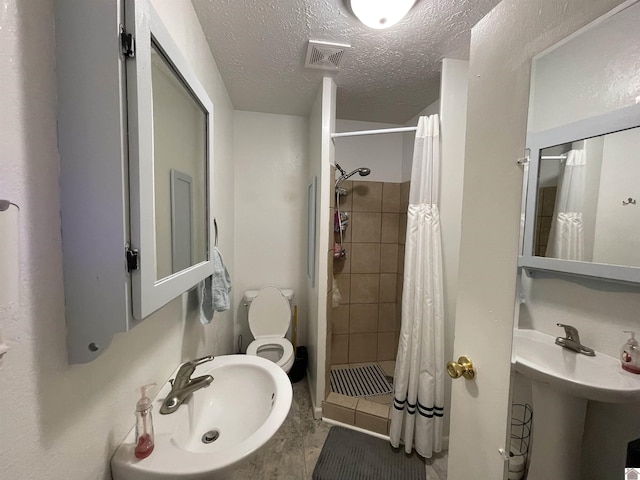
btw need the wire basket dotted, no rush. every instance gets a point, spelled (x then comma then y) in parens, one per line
(521, 423)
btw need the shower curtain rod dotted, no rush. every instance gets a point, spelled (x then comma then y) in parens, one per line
(553, 157)
(374, 132)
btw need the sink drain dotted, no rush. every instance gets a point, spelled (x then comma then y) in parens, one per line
(210, 437)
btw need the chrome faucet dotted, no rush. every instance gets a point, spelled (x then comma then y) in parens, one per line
(572, 341)
(184, 385)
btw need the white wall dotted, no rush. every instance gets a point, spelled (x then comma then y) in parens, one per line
(566, 83)
(453, 126)
(321, 156)
(381, 153)
(62, 421)
(314, 344)
(271, 176)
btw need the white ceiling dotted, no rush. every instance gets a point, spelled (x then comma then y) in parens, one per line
(387, 75)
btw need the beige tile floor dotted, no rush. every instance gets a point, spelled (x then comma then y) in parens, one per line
(368, 410)
(437, 466)
(293, 451)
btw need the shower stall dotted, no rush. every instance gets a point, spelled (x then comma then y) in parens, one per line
(369, 219)
(368, 259)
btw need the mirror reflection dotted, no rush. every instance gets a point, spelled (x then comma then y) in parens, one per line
(587, 208)
(180, 147)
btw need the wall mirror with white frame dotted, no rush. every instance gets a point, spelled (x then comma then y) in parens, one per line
(136, 146)
(583, 185)
(170, 122)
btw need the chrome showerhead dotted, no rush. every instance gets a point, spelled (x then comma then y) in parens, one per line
(362, 171)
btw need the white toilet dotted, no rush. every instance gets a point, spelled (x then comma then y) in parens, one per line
(269, 320)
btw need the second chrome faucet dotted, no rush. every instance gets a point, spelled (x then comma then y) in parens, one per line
(184, 385)
(572, 341)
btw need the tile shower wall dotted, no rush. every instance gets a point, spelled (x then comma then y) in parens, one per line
(544, 217)
(366, 325)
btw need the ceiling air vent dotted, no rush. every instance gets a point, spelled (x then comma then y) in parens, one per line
(325, 55)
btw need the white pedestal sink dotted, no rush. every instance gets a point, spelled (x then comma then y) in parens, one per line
(245, 405)
(562, 382)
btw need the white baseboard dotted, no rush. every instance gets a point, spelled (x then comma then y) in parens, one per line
(317, 410)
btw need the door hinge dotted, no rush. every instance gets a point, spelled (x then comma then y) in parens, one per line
(527, 157)
(132, 256)
(127, 43)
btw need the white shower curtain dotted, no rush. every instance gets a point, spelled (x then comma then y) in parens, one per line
(418, 398)
(566, 238)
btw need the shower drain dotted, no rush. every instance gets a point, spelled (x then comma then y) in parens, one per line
(210, 437)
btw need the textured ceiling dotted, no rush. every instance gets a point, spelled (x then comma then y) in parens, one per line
(386, 76)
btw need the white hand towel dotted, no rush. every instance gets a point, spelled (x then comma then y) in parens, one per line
(215, 290)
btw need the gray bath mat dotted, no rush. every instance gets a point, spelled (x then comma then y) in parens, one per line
(360, 381)
(351, 455)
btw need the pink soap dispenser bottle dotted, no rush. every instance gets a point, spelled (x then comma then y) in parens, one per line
(630, 354)
(144, 424)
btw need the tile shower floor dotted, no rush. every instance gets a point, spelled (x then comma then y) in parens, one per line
(293, 451)
(388, 367)
(369, 413)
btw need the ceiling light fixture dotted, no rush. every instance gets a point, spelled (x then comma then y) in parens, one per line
(381, 13)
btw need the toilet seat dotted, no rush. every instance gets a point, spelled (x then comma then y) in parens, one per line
(269, 313)
(286, 361)
(269, 321)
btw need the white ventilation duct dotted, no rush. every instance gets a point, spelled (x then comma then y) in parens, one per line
(325, 55)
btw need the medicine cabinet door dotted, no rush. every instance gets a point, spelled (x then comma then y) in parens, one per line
(170, 164)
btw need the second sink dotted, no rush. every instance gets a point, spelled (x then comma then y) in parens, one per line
(598, 378)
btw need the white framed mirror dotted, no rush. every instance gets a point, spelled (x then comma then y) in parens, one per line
(583, 136)
(170, 141)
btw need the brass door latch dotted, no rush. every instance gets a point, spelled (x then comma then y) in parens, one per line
(462, 368)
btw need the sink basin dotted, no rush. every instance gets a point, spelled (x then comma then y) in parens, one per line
(562, 381)
(598, 378)
(243, 408)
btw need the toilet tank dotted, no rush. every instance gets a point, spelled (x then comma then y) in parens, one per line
(249, 295)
